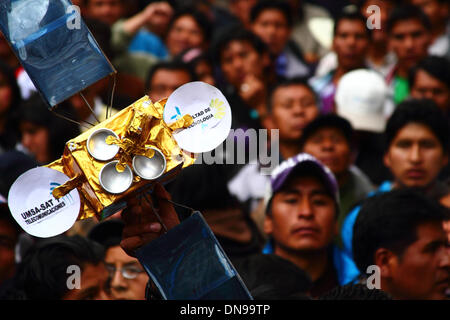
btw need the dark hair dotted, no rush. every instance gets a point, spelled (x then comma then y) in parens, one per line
(12, 164)
(355, 292)
(204, 57)
(202, 20)
(328, 121)
(407, 12)
(301, 81)
(192, 60)
(353, 14)
(174, 65)
(235, 32)
(87, 1)
(60, 130)
(102, 34)
(194, 189)
(423, 111)
(10, 135)
(390, 221)
(42, 274)
(437, 67)
(361, 3)
(279, 5)
(5, 215)
(108, 233)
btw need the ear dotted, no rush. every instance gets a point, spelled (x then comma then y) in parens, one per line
(386, 160)
(386, 260)
(268, 225)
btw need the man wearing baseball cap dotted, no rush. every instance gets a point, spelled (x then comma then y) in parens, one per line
(301, 218)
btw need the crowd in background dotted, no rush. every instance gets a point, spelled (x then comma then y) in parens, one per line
(361, 99)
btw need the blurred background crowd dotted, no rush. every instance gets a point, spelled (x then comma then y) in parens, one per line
(363, 89)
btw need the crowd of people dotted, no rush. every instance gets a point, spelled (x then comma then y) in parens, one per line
(361, 101)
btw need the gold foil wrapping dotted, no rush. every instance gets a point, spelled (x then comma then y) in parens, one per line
(138, 126)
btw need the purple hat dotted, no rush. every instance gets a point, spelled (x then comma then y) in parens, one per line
(311, 166)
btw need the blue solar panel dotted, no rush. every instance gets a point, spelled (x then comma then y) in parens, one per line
(54, 46)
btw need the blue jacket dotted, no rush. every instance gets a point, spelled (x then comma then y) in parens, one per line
(147, 42)
(343, 258)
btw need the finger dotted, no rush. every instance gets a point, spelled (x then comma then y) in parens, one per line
(161, 192)
(132, 209)
(139, 229)
(165, 7)
(137, 211)
(132, 243)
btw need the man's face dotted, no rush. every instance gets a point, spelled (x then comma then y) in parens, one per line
(185, 33)
(426, 86)
(303, 216)
(293, 107)
(94, 284)
(330, 147)
(130, 287)
(271, 26)
(409, 40)
(8, 239)
(165, 81)
(423, 270)
(351, 43)
(239, 60)
(415, 156)
(106, 11)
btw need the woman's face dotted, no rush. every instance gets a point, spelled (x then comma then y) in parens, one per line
(36, 139)
(185, 33)
(5, 95)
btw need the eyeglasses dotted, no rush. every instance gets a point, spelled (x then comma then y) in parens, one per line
(128, 272)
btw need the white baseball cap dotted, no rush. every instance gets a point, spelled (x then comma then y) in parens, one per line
(361, 97)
